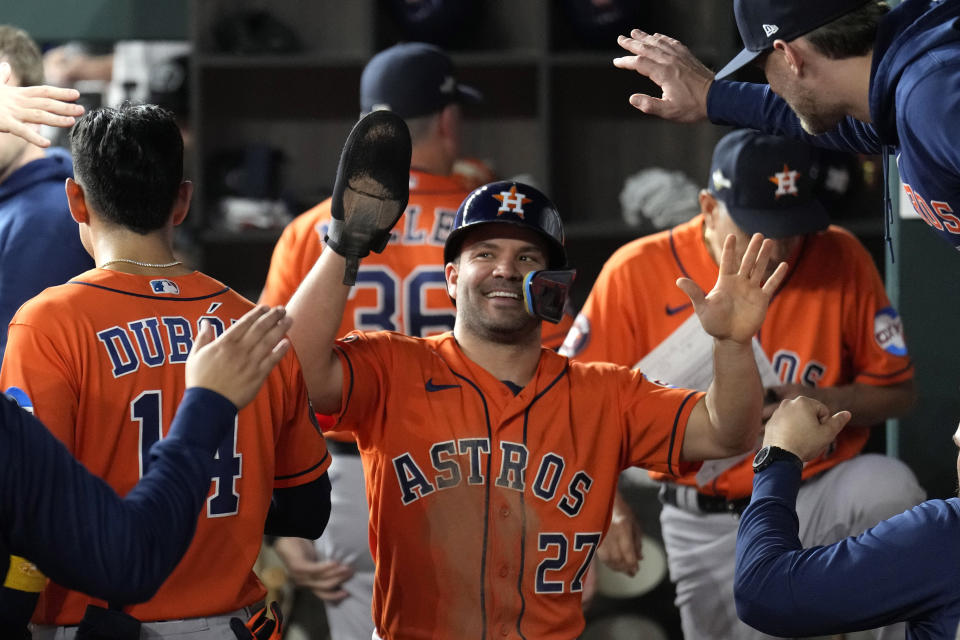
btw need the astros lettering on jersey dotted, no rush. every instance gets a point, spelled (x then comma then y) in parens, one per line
(100, 359)
(505, 497)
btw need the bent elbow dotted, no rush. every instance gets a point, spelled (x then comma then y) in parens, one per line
(756, 608)
(745, 600)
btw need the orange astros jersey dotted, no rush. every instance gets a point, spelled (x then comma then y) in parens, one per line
(829, 324)
(485, 507)
(100, 361)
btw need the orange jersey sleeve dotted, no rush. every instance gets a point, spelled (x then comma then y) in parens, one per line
(829, 324)
(512, 491)
(101, 359)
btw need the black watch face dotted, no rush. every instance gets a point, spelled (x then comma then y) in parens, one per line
(761, 457)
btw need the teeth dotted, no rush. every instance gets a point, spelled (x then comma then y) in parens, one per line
(503, 294)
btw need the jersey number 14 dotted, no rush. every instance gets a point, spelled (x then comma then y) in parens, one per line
(146, 411)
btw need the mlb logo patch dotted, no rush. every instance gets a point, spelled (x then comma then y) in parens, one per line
(888, 331)
(168, 287)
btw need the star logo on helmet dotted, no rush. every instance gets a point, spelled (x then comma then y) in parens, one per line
(786, 182)
(511, 201)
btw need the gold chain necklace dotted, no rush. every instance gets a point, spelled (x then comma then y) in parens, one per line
(141, 264)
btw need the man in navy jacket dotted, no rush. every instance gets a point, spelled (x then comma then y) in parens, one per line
(902, 570)
(39, 244)
(843, 74)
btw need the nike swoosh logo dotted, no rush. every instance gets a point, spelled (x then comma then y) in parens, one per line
(675, 310)
(430, 386)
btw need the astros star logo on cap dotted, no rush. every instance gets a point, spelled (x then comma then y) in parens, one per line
(511, 201)
(786, 182)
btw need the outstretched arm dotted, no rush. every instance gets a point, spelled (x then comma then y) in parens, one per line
(889, 573)
(369, 197)
(317, 308)
(683, 80)
(22, 108)
(76, 529)
(727, 421)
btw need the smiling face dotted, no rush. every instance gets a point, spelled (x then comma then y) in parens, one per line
(486, 282)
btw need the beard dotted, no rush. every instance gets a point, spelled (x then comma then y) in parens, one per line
(815, 118)
(502, 327)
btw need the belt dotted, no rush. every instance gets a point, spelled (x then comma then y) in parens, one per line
(691, 500)
(342, 448)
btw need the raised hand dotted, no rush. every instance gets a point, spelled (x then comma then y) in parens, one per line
(21, 107)
(736, 306)
(682, 78)
(236, 364)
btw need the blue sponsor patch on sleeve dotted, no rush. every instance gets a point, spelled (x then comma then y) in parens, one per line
(888, 331)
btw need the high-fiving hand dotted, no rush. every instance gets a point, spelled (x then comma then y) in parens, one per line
(736, 306)
(23, 107)
(682, 78)
(804, 426)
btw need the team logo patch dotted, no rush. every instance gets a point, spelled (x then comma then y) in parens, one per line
(511, 201)
(888, 331)
(21, 398)
(720, 181)
(578, 337)
(786, 182)
(165, 286)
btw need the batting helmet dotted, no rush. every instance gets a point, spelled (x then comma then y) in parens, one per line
(508, 202)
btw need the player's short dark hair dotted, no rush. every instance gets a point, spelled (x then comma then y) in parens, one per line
(852, 34)
(19, 49)
(129, 161)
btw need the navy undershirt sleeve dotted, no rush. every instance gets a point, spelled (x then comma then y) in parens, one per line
(78, 531)
(903, 569)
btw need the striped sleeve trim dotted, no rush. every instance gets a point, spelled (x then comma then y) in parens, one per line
(673, 433)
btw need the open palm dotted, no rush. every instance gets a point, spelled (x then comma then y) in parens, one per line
(736, 306)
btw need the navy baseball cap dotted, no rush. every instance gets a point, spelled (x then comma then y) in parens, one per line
(762, 21)
(766, 183)
(412, 79)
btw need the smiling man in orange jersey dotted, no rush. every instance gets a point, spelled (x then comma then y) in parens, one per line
(492, 462)
(401, 290)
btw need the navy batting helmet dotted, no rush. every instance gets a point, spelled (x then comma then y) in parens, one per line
(509, 202)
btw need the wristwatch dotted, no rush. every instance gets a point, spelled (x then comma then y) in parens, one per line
(770, 454)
